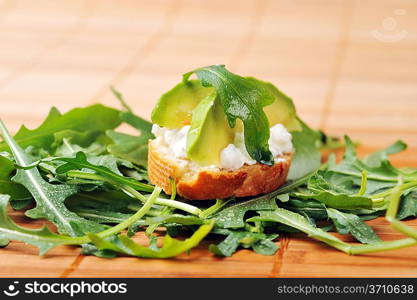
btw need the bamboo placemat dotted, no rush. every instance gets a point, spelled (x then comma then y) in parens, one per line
(348, 65)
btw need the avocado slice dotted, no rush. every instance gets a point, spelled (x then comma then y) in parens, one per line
(174, 108)
(282, 110)
(209, 133)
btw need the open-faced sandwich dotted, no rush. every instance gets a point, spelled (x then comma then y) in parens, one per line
(221, 135)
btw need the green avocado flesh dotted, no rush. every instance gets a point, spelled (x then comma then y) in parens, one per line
(209, 132)
(174, 108)
(282, 110)
(189, 103)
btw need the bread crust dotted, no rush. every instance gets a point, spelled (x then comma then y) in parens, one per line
(205, 184)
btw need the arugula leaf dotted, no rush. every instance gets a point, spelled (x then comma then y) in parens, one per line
(171, 247)
(377, 166)
(42, 238)
(94, 118)
(21, 204)
(242, 98)
(119, 96)
(266, 246)
(127, 184)
(307, 157)
(281, 192)
(7, 186)
(103, 216)
(49, 198)
(348, 223)
(336, 193)
(310, 208)
(232, 216)
(67, 148)
(112, 200)
(83, 139)
(377, 158)
(299, 222)
(80, 161)
(174, 218)
(329, 142)
(408, 205)
(142, 125)
(96, 154)
(129, 147)
(261, 243)
(340, 201)
(106, 216)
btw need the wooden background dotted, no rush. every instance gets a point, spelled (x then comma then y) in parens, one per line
(349, 65)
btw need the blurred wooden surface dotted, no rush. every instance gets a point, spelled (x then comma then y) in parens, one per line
(350, 67)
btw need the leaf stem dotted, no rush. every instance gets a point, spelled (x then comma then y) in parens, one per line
(213, 209)
(132, 192)
(152, 227)
(139, 214)
(382, 246)
(123, 225)
(391, 214)
(364, 182)
(394, 201)
(403, 187)
(167, 202)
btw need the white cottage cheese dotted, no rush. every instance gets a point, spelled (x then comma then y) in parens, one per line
(232, 157)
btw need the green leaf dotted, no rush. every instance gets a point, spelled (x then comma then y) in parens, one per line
(103, 216)
(307, 157)
(265, 247)
(408, 206)
(329, 142)
(129, 147)
(174, 218)
(69, 149)
(171, 247)
(119, 96)
(311, 208)
(259, 242)
(289, 186)
(232, 216)
(21, 204)
(49, 198)
(340, 201)
(128, 117)
(211, 210)
(377, 158)
(93, 118)
(348, 223)
(7, 186)
(83, 139)
(244, 99)
(110, 162)
(377, 166)
(80, 161)
(299, 222)
(142, 125)
(338, 193)
(96, 154)
(106, 216)
(112, 200)
(42, 238)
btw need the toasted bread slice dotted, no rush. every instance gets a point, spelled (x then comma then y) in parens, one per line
(207, 183)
